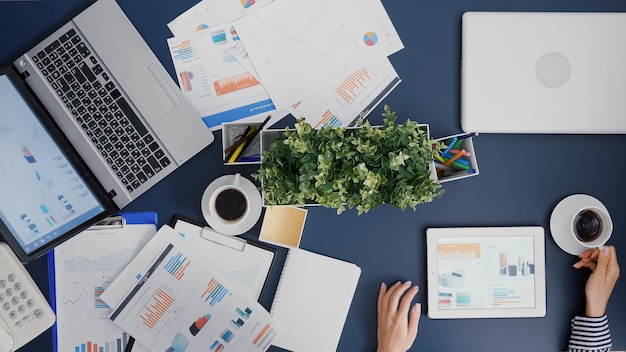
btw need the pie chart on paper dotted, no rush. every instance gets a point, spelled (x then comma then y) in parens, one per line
(370, 38)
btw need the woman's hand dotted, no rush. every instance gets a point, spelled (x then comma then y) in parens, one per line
(397, 320)
(605, 271)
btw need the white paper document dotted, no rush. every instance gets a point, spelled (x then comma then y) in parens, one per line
(218, 86)
(184, 303)
(312, 300)
(249, 272)
(300, 47)
(209, 13)
(249, 268)
(84, 266)
(357, 95)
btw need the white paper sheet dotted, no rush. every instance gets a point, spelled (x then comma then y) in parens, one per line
(85, 265)
(208, 13)
(299, 47)
(357, 95)
(184, 303)
(218, 86)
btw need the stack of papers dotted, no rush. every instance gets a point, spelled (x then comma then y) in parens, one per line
(176, 300)
(323, 60)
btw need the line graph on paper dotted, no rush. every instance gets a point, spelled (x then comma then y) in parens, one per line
(84, 267)
(98, 264)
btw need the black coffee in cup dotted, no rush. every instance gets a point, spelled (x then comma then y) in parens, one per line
(587, 225)
(230, 204)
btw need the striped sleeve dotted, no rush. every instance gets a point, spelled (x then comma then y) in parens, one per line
(590, 334)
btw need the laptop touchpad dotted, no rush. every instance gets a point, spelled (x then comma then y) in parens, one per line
(149, 92)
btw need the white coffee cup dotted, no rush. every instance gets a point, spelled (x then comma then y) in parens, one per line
(591, 226)
(229, 204)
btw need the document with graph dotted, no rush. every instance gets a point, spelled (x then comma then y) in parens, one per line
(81, 269)
(218, 86)
(340, 104)
(184, 303)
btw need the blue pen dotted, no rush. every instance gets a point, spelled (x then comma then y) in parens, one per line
(250, 158)
(452, 141)
(472, 134)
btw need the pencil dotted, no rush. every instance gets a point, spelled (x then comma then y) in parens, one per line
(456, 151)
(452, 141)
(440, 159)
(254, 134)
(238, 142)
(235, 153)
(452, 159)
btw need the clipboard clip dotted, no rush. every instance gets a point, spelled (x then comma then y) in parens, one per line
(112, 222)
(233, 242)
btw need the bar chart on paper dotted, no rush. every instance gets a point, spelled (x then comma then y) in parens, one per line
(354, 85)
(117, 345)
(214, 292)
(176, 266)
(235, 83)
(329, 119)
(182, 51)
(156, 308)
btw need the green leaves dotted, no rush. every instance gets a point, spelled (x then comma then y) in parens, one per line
(358, 168)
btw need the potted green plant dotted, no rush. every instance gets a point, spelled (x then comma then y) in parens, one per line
(361, 167)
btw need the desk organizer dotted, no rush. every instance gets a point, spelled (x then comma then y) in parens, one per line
(458, 159)
(231, 131)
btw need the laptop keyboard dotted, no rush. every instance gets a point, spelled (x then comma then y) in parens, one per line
(98, 106)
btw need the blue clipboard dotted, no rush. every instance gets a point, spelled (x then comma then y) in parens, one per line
(145, 217)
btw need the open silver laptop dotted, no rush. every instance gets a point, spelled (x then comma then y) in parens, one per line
(543, 72)
(101, 50)
(94, 87)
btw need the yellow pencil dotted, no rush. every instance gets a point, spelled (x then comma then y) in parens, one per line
(441, 160)
(237, 151)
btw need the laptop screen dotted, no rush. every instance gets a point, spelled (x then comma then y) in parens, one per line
(42, 194)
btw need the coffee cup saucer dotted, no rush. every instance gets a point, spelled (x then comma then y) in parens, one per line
(254, 197)
(561, 221)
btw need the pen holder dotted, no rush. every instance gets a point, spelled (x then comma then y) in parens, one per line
(233, 131)
(458, 159)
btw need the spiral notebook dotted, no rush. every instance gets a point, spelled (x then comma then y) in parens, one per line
(312, 300)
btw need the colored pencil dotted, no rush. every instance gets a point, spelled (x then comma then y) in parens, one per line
(453, 159)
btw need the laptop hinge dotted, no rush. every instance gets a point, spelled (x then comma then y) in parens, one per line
(112, 194)
(24, 74)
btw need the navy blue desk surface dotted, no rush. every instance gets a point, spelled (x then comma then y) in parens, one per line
(522, 178)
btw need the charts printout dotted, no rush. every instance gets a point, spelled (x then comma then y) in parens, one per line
(298, 47)
(208, 13)
(218, 86)
(357, 95)
(486, 272)
(84, 267)
(182, 303)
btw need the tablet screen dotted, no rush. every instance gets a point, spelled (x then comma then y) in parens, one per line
(485, 272)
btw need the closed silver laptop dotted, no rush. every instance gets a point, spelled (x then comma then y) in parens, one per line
(543, 72)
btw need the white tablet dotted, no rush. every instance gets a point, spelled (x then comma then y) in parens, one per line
(486, 272)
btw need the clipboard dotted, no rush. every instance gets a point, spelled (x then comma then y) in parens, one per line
(234, 251)
(119, 221)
